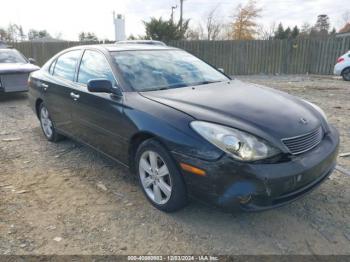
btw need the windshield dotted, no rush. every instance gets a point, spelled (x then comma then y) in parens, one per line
(164, 69)
(11, 56)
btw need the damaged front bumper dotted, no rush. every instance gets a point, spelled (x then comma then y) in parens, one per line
(259, 186)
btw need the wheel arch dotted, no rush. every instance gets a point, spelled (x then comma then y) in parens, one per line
(135, 141)
(38, 102)
(348, 67)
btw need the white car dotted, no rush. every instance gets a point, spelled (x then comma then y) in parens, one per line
(342, 68)
(14, 70)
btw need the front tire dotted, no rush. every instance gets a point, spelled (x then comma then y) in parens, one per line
(346, 74)
(47, 125)
(159, 177)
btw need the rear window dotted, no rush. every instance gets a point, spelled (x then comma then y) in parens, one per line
(11, 56)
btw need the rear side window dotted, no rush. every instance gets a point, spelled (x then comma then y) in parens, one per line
(94, 65)
(66, 64)
(52, 66)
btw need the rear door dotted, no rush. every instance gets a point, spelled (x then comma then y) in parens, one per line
(99, 115)
(57, 88)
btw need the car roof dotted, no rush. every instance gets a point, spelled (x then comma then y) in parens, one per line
(125, 47)
(148, 42)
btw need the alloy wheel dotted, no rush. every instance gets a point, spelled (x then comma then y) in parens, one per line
(46, 122)
(155, 177)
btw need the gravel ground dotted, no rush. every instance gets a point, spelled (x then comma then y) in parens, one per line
(67, 199)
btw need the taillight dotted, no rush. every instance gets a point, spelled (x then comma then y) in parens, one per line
(340, 59)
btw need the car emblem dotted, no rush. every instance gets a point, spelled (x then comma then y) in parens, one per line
(303, 121)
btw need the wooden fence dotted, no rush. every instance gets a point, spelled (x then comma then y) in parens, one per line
(239, 57)
(270, 56)
(43, 51)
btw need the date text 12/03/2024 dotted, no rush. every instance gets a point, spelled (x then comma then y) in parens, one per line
(173, 258)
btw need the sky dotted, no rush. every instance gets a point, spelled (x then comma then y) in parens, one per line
(68, 18)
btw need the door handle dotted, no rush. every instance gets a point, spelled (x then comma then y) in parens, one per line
(74, 96)
(44, 86)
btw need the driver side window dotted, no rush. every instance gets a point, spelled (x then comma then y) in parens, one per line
(94, 65)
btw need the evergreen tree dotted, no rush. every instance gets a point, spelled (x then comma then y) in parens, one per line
(287, 33)
(35, 34)
(333, 32)
(87, 36)
(295, 32)
(280, 33)
(322, 23)
(165, 30)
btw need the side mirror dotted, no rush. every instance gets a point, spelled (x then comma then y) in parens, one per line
(32, 61)
(102, 86)
(221, 70)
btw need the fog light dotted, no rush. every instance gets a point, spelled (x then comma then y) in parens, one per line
(244, 199)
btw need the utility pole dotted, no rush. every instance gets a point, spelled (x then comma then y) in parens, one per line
(172, 13)
(181, 12)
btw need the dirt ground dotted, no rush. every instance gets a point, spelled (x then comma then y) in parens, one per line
(67, 199)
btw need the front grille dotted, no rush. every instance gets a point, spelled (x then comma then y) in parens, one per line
(303, 143)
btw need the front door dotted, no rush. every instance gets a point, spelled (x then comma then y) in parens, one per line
(99, 117)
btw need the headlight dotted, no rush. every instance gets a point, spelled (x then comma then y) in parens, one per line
(318, 109)
(236, 143)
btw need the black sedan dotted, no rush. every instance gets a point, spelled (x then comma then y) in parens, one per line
(184, 127)
(14, 70)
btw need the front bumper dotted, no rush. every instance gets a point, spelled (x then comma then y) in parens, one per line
(262, 186)
(338, 68)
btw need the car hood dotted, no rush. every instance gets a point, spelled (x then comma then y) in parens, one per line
(17, 68)
(263, 111)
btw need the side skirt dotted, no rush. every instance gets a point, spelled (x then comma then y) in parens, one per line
(92, 147)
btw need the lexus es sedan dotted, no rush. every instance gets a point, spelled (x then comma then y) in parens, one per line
(14, 70)
(184, 127)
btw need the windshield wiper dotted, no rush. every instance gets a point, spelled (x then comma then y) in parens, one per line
(181, 85)
(169, 87)
(206, 82)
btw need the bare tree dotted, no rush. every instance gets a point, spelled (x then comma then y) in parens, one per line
(195, 33)
(15, 33)
(306, 29)
(209, 30)
(346, 17)
(226, 32)
(266, 32)
(346, 22)
(58, 35)
(244, 26)
(213, 25)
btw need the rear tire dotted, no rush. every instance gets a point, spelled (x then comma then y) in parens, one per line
(346, 74)
(159, 177)
(47, 125)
